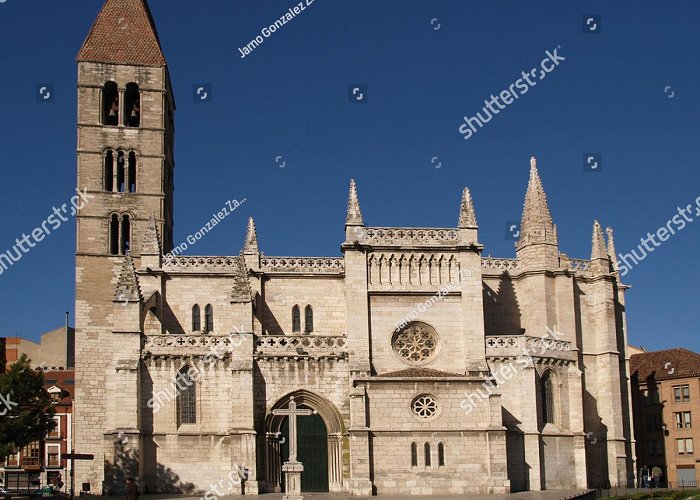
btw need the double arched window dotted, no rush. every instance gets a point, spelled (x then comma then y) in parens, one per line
(119, 171)
(112, 109)
(197, 318)
(119, 234)
(308, 319)
(186, 399)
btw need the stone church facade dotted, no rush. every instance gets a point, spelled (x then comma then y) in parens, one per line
(429, 367)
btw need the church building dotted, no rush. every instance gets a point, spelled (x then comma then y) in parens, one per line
(427, 366)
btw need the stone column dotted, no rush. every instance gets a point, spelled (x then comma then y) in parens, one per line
(360, 483)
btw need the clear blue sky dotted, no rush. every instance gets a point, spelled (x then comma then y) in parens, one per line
(290, 98)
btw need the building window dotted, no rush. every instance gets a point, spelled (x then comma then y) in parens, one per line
(31, 454)
(56, 432)
(426, 447)
(186, 398)
(655, 447)
(109, 170)
(119, 235)
(652, 396)
(196, 318)
(209, 318)
(548, 398)
(110, 104)
(441, 454)
(683, 420)
(424, 406)
(132, 105)
(131, 172)
(684, 446)
(308, 319)
(296, 319)
(416, 344)
(654, 423)
(121, 186)
(681, 393)
(126, 235)
(52, 457)
(414, 455)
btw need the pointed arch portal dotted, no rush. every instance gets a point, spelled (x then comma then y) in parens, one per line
(319, 444)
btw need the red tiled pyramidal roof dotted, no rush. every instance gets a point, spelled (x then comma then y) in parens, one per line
(123, 33)
(665, 365)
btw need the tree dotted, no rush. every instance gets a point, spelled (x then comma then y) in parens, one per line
(26, 411)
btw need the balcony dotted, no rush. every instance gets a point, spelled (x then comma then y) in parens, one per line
(301, 346)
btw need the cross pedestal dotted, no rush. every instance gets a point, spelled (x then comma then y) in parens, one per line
(292, 468)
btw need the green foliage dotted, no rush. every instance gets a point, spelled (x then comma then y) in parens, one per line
(26, 410)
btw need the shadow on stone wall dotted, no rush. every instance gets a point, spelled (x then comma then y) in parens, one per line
(501, 309)
(126, 464)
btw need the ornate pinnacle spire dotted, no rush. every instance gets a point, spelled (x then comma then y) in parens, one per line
(241, 290)
(467, 215)
(611, 248)
(598, 251)
(251, 238)
(536, 225)
(354, 217)
(127, 289)
(151, 240)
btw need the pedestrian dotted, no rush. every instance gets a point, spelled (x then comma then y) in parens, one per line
(645, 476)
(132, 491)
(656, 475)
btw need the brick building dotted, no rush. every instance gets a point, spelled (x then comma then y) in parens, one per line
(42, 463)
(508, 373)
(666, 406)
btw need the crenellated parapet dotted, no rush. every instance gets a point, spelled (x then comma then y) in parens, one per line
(175, 264)
(409, 236)
(304, 265)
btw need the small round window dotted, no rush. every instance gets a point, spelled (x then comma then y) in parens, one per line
(424, 406)
(416, 344)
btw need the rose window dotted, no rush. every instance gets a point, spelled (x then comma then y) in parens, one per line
(424, 406)
(416, 344)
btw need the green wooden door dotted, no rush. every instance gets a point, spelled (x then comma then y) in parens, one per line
(312, 451)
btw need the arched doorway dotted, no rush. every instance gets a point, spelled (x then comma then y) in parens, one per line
(318, 458)
(312, 451)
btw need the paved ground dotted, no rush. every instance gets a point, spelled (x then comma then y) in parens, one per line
(527, 495)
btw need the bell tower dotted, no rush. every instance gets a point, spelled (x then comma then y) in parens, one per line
(125, 161)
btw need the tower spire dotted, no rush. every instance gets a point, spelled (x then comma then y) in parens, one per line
(151, 239)
(123, 33)
(250, 246)
(599, 254)
(538, 235)
(128, 288)
(467, 214)
(354, 216)
(611, 249)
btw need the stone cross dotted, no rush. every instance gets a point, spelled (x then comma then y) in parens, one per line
(292, 412)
